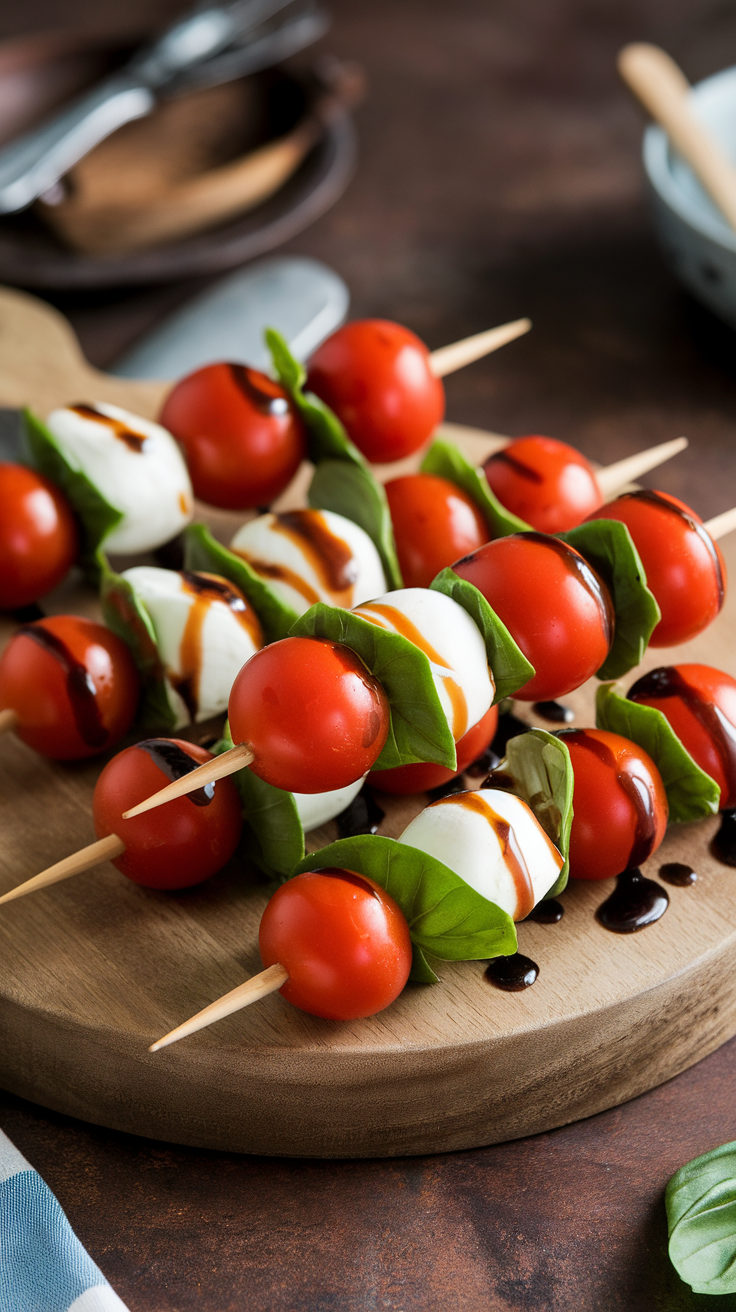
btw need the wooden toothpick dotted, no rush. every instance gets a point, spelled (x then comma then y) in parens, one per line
(258, 987)
(449, 358)
(722, 524)
(103, 850)
(8, 720)
(617, 475)
(230, 762)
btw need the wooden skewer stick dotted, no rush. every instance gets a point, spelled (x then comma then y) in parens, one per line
(8, 720)
(449, 358)
(230, 762)
(103, 850)
(630, 468)
(664, 90)
(722, 524)
(258, 987)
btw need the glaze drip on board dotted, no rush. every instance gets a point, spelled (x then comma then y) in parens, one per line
(634, 903)
(512, 974)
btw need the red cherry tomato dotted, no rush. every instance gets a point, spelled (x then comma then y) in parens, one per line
(434, 523)
(420, 778)
(684, 567)
(242, 438)
(197, 834)
(343, 940)
(72, 684)
(545, 482)
(619, 804)
(311, 713)
(700, 704)
(377, 378)
(38, 536)
(552, 602)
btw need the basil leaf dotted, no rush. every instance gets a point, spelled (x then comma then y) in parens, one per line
(351, 490)
(326, 436)
(509, 666)
(609, 548)
(126, 615)
(419, 730)
(446, 917)
(273, 828)
(203, 552)
(448, 461)
(421, 972)
(96, 516)
(691, 793)
(701, 1216)
(540, 766)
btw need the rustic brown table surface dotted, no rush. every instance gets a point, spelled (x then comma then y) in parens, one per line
(499, 176)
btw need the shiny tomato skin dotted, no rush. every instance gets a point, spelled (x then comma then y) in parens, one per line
(377, 378)
(547, 483)
(73, 685)
(242, 438)
(434, 523)
(343, 940)
(181, 845)
(552, 602)
(311, 713)
(420, 778)
(700, 704)
(614, 827)
(684, 566)
(39, 541)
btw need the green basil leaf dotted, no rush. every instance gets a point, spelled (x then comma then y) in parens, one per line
(351, 490)
(96, 516)
(419, 730)
(421, 972)
(446, 917)
(124, 613)
(273, 828)
(326, 436)
(510, 667)
(609, 548)
(203, 552)
(540, 766)
(691, 793)
(447, 461)
(701, 1216)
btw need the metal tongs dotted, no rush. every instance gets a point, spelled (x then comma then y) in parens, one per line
(213, 45)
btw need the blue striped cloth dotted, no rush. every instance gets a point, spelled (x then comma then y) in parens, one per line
(43, 1267)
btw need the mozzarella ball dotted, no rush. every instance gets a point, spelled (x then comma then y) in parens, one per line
(494, 842)
(316, 809)
(452, 642)
(312, 555)
(205, 632)
(137, 467)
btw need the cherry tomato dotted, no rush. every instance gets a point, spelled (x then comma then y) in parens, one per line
(545, 482)
(434, 523)
(197, 834)
(311, 713)
(619, 804)
(72, 684)
(684, 567)
(552, 602)
(242, 437)
(420, 778)
(38, 536)
(343, 940)
(377, 378)
(700, 704)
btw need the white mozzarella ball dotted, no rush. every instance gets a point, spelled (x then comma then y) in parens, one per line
(135, 464)
(494, 842)
(203, 639)
(316, 809)
(452, 642)
(307, 556)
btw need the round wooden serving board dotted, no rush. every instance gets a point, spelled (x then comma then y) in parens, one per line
(94, 969)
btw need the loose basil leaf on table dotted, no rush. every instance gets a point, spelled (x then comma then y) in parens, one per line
(510, 667)
(124, 613)
(419, 730)
(271, 820)
(691, 793)
(609, 547)
(447, 461)
(540, 766)
(203, 552)
(446, 917)
(96, 516)
(701, 1216)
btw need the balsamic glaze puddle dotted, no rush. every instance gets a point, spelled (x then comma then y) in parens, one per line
(512, 974)
(547, 912)
(484, 763)
(555, 712)
(174, 762)
(362, 816)
(677, 873)
(635, 903)
(723, 846)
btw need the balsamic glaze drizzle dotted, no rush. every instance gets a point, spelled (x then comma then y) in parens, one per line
(80, 687)
(547, 912)
(174, 762)
(512, 974)
(634, 903)
(723, 846)
(362, 816)
(555, 712)
(666, 681)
